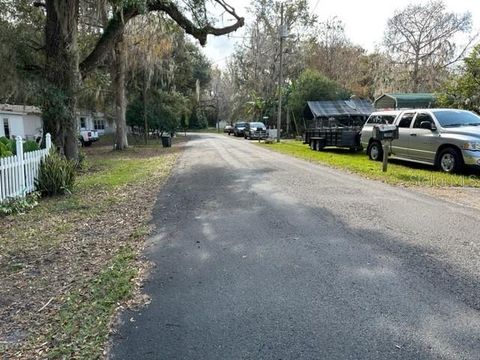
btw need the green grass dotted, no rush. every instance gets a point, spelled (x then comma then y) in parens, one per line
(398, 173)
(79, 236)
(81, 327)
(111, 173)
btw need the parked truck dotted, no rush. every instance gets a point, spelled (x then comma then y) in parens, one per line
(87, 137)
(448, 139)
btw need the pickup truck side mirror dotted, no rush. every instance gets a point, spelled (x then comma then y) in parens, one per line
(428, 125)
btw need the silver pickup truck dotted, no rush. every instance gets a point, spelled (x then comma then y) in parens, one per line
(449, 139)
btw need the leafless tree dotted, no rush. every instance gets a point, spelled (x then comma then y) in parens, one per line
(423, 39)
(330, 52)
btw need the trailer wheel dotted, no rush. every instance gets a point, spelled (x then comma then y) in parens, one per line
(320, 144)
(375, 151)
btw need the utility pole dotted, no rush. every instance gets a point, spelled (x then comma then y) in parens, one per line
(280, 78)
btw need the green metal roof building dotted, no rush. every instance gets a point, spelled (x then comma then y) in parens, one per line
(405, 101)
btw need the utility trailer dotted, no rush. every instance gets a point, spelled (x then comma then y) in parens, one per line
(344, 137)
(336, 123)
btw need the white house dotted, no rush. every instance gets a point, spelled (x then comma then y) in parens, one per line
(20, 120)
(26, 121)
(89, 120)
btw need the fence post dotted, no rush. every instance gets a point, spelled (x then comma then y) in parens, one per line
(48, 141)
(21, 166)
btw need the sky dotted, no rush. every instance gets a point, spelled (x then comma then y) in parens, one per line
(365, 21)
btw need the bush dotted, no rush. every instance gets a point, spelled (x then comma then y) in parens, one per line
(19, 205)
(56, 175)
(9, 147)
(4, 149)
(30, 145)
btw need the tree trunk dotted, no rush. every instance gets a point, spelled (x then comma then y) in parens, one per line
(62, 74)
(415, 75)
(118, 74)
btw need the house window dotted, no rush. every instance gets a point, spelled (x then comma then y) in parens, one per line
(99, 124)
(6, 128)
(83, 123)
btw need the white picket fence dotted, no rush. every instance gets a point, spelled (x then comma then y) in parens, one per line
(18, 173)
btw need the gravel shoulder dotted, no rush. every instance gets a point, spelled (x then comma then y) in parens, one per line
(460, 196)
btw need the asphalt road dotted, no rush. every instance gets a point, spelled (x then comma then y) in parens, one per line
(262, 256)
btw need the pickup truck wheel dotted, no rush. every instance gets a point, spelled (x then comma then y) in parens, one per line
(87, 143)
(449, 160)
(375, 151)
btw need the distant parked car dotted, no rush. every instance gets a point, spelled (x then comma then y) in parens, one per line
(228, 129)
(255, 130)
(445, 138)
(238, 128)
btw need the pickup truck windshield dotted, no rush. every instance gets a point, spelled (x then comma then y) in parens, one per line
(454, 118)
(257, 124)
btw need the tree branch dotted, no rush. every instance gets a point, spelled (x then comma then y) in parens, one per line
(39, 4)
(116, 27)
(200, 33)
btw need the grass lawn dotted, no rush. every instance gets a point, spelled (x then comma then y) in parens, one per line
(67, 265)
(399, 173)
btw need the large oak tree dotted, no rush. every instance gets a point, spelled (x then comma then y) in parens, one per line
(64, 69)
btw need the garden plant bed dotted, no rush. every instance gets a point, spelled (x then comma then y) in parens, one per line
(69, 264)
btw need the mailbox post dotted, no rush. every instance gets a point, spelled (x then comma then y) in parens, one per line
(386, 134)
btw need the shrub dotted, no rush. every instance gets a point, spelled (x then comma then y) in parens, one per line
(4, 150)
(19, 205)
(10, 146)
(30, 145)
(56, 175)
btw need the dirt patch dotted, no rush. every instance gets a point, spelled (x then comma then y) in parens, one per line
(463, 196)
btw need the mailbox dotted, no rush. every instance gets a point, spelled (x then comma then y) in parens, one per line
(385, 132)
